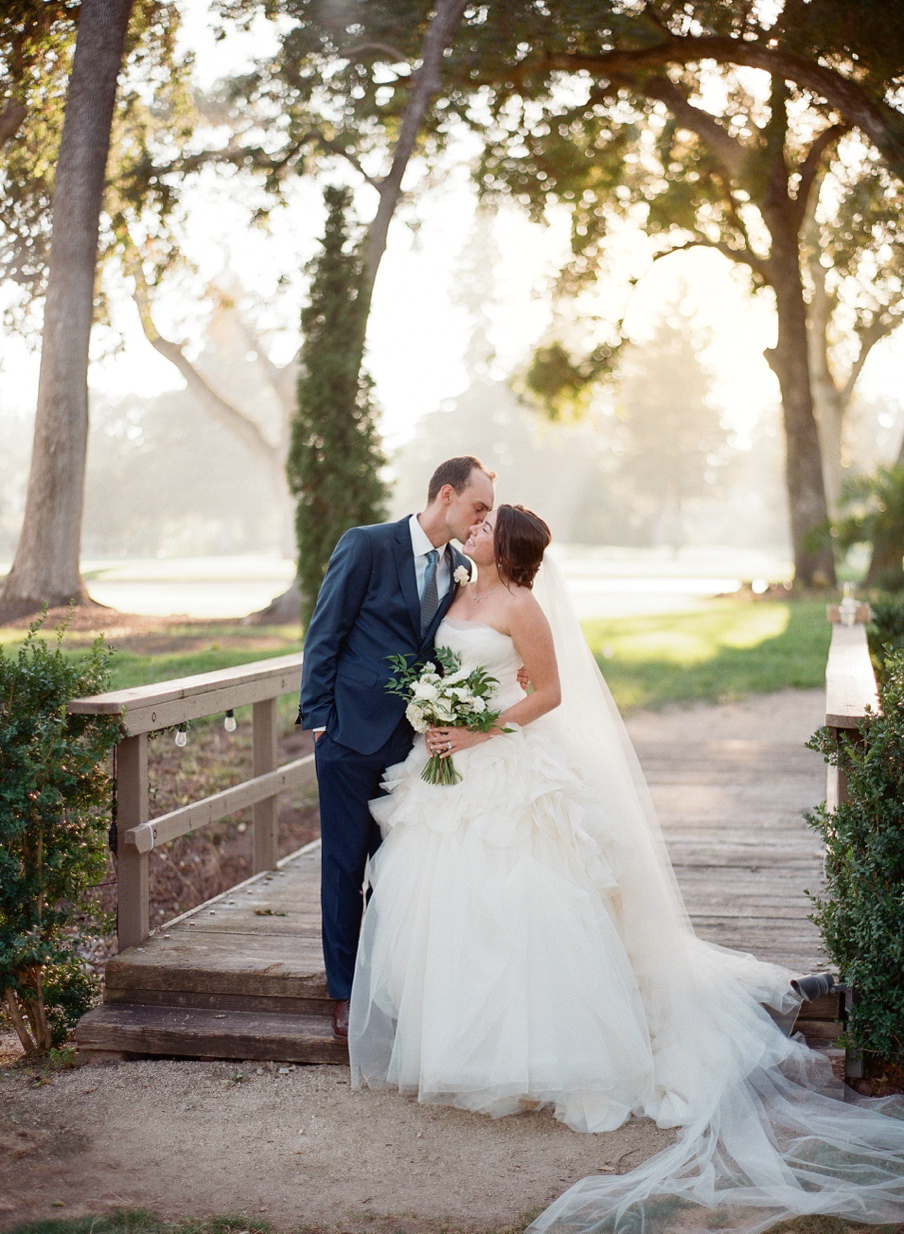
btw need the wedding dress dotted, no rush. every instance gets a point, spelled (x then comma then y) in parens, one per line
(526, 946)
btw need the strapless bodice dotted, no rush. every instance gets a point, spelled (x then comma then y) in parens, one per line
(483, 646)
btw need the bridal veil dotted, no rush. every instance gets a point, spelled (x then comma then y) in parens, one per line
(765, 1131)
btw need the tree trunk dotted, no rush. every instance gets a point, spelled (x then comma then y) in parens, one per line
(813, 563)
(46, 564)
(886, 559)
(828, 403)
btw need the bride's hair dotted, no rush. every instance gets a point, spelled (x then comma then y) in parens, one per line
(519, 539)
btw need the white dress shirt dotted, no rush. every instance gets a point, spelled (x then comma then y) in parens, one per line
(421, 546)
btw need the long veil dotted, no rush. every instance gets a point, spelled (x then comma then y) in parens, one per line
(766, 1131)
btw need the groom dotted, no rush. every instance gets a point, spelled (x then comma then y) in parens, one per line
(385, 591)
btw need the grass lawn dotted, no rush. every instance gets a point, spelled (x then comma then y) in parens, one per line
(723, 650)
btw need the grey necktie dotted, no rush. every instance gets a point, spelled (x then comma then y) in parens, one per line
(430, 597)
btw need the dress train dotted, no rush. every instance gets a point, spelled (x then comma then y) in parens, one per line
(526, 945)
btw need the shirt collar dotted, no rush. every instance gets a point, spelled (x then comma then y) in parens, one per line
(420, 541)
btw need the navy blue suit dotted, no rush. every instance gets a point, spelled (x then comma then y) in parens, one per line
(368, 609)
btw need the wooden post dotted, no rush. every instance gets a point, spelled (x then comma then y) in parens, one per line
(264, 812)
(132, 918)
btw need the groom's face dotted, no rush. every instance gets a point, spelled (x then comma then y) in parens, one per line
(470, 506)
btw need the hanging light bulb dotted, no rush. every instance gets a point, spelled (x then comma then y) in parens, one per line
(182, 735)
(229, 721)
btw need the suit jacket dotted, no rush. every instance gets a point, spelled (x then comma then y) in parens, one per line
(368, 608)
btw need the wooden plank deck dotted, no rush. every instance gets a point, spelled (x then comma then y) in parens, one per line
(732, 816)
(242, 976)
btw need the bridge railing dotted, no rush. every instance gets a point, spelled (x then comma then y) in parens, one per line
(143, 710)
(850, 686)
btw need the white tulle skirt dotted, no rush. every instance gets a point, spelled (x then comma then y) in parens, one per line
(491, 975)
(499, 970)
(497, 973)
(526, 946)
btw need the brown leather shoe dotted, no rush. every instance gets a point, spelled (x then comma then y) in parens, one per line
(340, 1018)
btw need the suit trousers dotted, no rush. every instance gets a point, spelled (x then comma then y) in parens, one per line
(347, 781)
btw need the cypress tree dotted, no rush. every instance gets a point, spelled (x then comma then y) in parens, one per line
(335, 455)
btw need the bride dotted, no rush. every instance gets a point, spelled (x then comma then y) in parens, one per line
(526, 946)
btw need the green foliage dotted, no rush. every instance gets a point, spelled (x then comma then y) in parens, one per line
(873, 513)
(334, 455)
(861, 914)
(37, 42)
(562, 384)
(885, 632)
(54, 805)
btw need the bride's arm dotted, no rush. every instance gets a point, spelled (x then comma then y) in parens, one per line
(533, 641)
(532, 637)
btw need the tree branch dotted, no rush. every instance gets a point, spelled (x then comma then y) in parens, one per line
(393, 52)
(741, 256)
(256, 157)
(425, 84)
(281, 377)
(878, 329)
(220, 408)
(808, 170)
(727, 149)
(881, 123)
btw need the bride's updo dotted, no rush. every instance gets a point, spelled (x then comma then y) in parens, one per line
(519, 539)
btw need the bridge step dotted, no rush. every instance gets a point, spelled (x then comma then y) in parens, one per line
(122, 1030)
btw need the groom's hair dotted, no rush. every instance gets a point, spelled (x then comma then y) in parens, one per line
(457, 472)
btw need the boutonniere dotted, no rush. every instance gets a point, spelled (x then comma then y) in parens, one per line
(462, 576)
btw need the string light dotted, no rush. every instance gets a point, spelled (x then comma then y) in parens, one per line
(229, 721)
(182, 735)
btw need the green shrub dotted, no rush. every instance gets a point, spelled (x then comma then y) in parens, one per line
(861, 914)
(885, 631)
(54, 813)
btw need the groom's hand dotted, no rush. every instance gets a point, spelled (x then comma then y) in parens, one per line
(523, 679)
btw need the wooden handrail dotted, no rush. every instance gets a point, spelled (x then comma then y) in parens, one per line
(850, 690)
(142, 710)
(850, 680)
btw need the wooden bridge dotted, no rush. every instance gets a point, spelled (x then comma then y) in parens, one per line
(242, 975)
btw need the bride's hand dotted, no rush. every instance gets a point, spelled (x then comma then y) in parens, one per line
(447, 740)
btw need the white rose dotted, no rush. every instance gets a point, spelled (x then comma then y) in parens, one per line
(478, 705)
(425, 690)
(415, 718)
(462, 575)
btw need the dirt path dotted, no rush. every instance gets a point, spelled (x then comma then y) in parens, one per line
(295, 1144)
(292, 1143)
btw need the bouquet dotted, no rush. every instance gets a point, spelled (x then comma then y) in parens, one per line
(443, 693)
